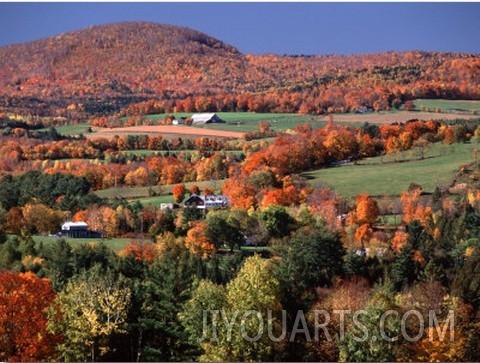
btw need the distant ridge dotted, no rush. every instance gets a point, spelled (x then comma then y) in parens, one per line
(109, 67)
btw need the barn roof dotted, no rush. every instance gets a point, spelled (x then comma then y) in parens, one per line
(205, 117)
(202, 117)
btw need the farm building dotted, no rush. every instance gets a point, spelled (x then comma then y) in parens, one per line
(168, 206)
(179, 121)
(206, 118)
(77, 230)
(206, 201)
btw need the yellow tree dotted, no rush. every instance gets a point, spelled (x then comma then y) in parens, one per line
(91, 308)
(248, 310)
(137, 177)
(40, 218)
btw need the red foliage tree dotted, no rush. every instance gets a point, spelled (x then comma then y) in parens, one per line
(23, 319)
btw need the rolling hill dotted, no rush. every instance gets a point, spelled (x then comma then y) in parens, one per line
(107, 68)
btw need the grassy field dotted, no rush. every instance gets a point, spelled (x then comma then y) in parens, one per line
(71, 130)
(448, 105)
(248, 121)
(116, 244)
(377, 176)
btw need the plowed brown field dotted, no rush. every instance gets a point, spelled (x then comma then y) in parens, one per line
(164, 130)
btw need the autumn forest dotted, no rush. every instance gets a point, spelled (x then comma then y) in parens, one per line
(90, 133)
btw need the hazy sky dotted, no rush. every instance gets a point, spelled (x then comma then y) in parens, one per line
(269, 27)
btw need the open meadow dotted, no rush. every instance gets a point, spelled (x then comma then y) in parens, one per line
(449, 106)
(382, 176)
(170, 130)
(115, 244)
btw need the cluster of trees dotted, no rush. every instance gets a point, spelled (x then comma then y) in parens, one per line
(148, 301)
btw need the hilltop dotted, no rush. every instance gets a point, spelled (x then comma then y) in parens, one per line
(132, 58)
(107, 68)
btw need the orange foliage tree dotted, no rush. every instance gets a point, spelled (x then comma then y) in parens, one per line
(194, 189)
(179, 192)
(413, 209)
(197, 240)
(399, 240)
(141, 251)
(23, 319)
(240, 193)
(364, 234)
(367, 210)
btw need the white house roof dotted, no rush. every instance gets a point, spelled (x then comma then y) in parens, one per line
(209, 201)
(68, 225)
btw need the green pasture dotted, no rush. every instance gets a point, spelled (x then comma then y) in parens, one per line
(116, 244)
(448, 105)
(381, 176)
(71, 130)
(142, 152)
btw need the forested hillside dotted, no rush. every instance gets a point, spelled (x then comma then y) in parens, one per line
(104, 69)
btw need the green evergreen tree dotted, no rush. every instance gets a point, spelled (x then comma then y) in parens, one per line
(466, 283)
(160, 294)
(57, 264)
(403, 267)
(10, 256)
(354, 264)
